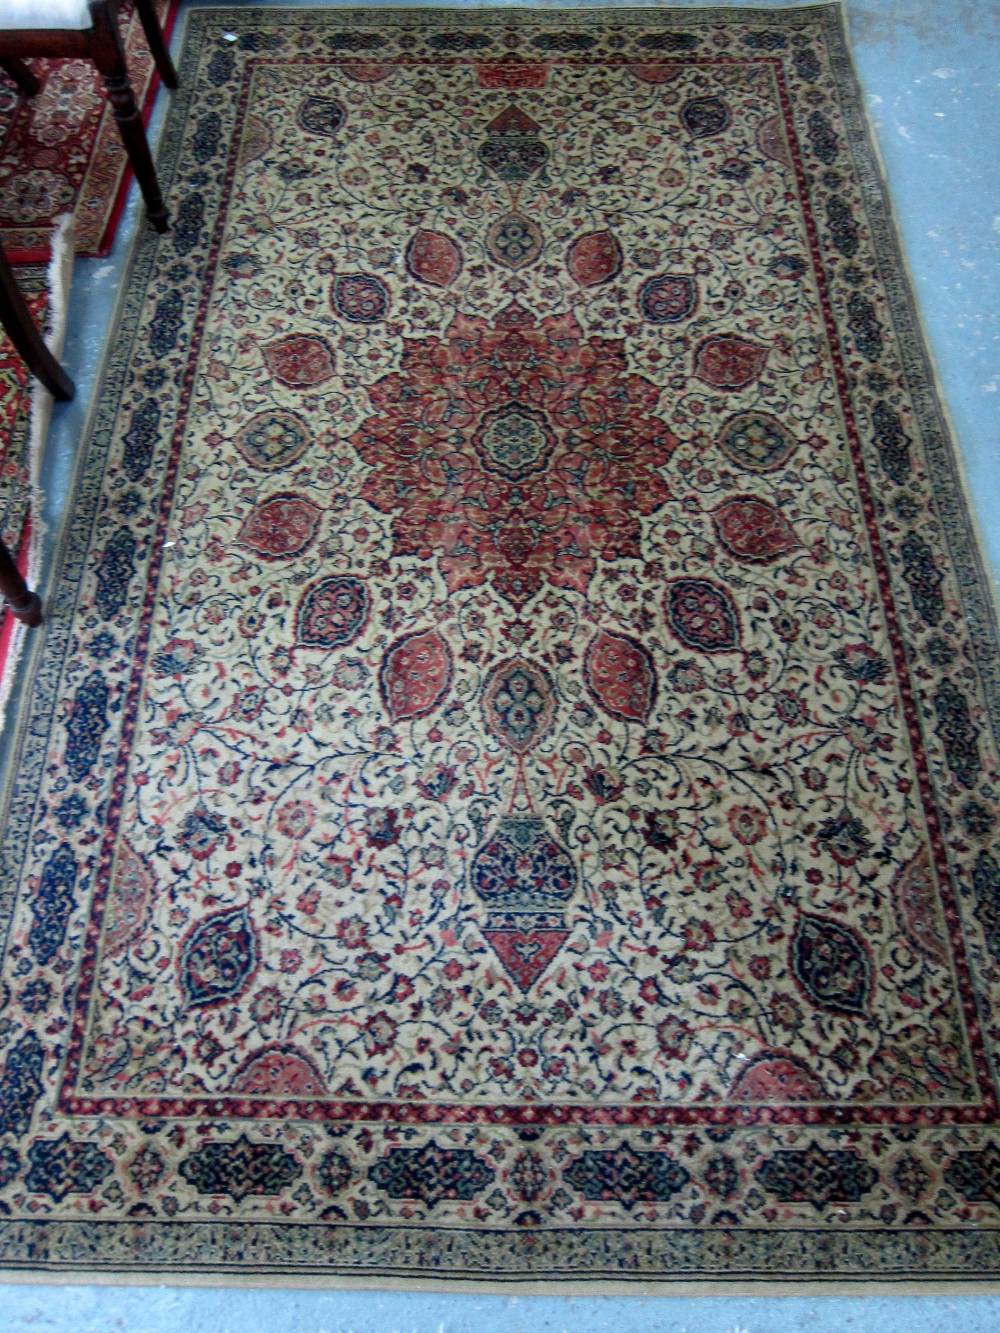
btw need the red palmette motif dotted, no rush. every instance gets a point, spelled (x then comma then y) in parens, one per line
(510, 790)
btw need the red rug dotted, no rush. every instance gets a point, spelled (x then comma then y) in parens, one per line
(15, 464)
(61, 149)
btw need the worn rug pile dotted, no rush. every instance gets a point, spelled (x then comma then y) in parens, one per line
(508, 791)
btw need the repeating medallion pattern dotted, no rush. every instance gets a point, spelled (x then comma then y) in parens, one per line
(521, 764)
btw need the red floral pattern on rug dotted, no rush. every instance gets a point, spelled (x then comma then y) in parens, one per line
(516, 452)
(15, 413)
(61, 151)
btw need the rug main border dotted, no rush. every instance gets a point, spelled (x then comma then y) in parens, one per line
(972, 1255)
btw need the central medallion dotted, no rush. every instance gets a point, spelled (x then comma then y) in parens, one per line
(517, 452)
(515, 442)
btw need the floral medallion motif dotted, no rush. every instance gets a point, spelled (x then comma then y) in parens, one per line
(726, 361)
(321, 115)
(704, 117)
(513, 784)
(217, 958)
(359, 297)
(300, 360)
(434, 258)
(668, 299)
(514, 241)
(756, 441)
(777, 1079)
(753, 530)
(415, 676)
(273, 440)
(518, 704)
(832, 965)
(134, 887)
(918, 910)
(332, 613)
(515, 452)
(279, 1071)
(281, 526)
(703, 615)
(620, 675)
(595, 258)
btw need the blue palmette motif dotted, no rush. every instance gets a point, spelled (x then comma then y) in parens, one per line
(240, 1168)
(817, 1176)
(10, 1165)
(206, 137)
(87, 722)
(53, 903)
(431, 1174)
(976, 1175)
(957, 733)
(166, 323)
(21, 1085)
(189, 223)
(114, 572)
(140, 438)
(627, 1176)
(986, 887)
(65, 1166)
(218, 957)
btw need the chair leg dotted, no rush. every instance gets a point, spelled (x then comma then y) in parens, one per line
(25, 79)
(23, 332)
(109, 57)
(158, 47)
(21, 602)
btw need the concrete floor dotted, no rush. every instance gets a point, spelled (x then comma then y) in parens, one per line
(931, 72)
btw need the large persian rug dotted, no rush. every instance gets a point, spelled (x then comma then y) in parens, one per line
(509, 791)
(60, 150)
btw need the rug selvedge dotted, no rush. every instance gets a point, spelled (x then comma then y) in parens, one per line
(543, 489)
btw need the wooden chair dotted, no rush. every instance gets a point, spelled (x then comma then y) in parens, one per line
(88, 30)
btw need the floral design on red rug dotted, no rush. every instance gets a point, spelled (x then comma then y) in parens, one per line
(516, 452)
(61, 150)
